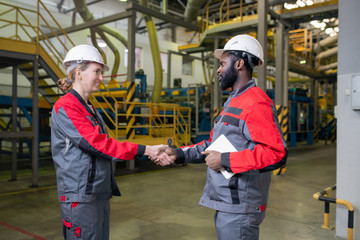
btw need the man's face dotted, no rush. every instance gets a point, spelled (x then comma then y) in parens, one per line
(227, 74)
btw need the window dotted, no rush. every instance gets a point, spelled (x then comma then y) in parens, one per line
(138, 63)
(187, 66)
(164, 61)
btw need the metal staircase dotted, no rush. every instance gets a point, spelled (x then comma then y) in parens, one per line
(22, 42)
(24, 39)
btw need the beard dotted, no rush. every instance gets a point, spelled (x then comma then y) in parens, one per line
(228, 78)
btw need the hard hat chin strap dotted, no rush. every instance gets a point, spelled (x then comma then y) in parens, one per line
(68, 80)
(244, 55)
(249, 60)
(71, 66)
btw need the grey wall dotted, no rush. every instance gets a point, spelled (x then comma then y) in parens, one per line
(348, 121)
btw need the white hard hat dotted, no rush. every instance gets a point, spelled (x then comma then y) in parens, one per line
(83, 53)
(244, 43)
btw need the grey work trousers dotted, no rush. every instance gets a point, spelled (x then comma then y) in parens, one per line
(86, 220)
(236, 226)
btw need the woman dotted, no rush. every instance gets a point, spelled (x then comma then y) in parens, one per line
(83, 152)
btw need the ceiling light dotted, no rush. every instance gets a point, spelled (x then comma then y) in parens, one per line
(289, 6)
(328, 30)
(318, 24)
(300, 3)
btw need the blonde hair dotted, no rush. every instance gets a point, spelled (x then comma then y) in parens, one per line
(66, 83)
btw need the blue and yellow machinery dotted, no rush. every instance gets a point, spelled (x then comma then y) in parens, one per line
(301, 115)
(198, 98)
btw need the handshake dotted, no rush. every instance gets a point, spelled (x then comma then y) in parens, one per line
(162, 155)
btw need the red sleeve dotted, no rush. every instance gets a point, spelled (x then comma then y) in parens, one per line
(269, 149)
(81, 130)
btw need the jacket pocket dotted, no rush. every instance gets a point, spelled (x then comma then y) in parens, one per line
(230, 120)
(71, 232)
(91, 176)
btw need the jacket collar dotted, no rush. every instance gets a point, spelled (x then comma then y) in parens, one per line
(243, 88)
(81, 100)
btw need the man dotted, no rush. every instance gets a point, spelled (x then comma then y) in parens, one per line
(249, 121)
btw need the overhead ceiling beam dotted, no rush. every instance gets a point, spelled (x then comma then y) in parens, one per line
(234, 27)
(309, 12)
(59, 5)
(87, 4)
(123, 15)
(93, 23)
(165, 17)
(276, 16)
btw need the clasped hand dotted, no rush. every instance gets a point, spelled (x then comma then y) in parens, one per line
(162, 155)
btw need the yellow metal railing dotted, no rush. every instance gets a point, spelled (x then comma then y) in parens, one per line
(153, 120)
(26, 25)
(226, 11)
(324, 196)
(301, 46)
(162, 120)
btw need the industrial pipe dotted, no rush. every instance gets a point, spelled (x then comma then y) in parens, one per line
(278, 2)
(325, 54)
(328, 53)
(87, 16)
(325, 43)
(327, 67)
(204, 69)
(113, 49)
(192, 8)
(154, 45)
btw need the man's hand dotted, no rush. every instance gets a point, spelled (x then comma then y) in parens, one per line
(162, 159)
(158, 155)
(213, 160)
(171, 153)
(167, 152)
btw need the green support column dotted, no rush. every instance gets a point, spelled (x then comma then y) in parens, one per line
(35, 125)
(14, 124)
(262, 38)
(131, 62)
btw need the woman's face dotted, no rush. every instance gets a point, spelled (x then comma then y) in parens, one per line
(91, 78)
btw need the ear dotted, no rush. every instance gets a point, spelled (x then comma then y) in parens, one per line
(78, 74)
(239, 64)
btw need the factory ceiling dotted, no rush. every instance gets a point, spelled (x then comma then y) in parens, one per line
(317, 17)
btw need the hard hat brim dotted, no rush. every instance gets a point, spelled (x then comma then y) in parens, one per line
(218, 53)
(105, 67)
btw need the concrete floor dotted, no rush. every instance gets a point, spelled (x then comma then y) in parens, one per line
(163, 204)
